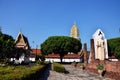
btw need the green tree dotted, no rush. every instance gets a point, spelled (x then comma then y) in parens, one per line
(114, 47)
(61, 45)
(6, 46)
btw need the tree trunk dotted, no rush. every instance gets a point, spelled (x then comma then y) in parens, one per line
(61, 58)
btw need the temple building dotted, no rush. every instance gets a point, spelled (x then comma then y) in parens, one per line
(23, 49)
(74, 32)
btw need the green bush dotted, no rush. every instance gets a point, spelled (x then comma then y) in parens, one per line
(21, 72)
(114, 47)
(100, 66)
(58, 67)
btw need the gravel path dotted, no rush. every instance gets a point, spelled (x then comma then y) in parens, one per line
(71, 74)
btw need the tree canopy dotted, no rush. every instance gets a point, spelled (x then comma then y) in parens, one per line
(114, 47)
(6, 45)
(60, 45)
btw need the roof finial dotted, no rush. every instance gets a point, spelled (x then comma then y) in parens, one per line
(20, 30)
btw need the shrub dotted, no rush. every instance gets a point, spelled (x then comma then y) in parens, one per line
(100, 66)
(58, 67)
(74, 63)
(21, 72)
(82, 64)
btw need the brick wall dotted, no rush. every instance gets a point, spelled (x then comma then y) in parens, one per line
(112, 69)
(112, 66)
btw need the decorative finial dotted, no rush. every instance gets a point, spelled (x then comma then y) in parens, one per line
(20, 30)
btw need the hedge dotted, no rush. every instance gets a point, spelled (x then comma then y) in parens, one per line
(21, 72)
(58, 67)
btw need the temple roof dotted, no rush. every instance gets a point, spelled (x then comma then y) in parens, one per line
(37, 51)
(21, 40)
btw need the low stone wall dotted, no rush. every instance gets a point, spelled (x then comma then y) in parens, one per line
(112, 69)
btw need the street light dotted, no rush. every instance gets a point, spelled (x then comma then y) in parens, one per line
(36, 51)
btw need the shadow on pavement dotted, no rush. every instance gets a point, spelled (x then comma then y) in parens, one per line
(45, 74)
(66, 72)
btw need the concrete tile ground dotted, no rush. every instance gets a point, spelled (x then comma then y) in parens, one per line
(72, 74)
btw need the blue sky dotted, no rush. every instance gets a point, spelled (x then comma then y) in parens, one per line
(39, 19)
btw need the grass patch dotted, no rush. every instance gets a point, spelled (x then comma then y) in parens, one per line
(58, 67)
(21, 72)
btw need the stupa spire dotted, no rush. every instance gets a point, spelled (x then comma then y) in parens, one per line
(74, 31)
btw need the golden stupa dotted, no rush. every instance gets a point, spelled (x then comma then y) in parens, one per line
(74, 31)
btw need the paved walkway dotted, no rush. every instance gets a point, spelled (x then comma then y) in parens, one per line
(71, 74)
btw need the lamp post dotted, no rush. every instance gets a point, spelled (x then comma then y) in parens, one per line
(36, 51)
(33, 44)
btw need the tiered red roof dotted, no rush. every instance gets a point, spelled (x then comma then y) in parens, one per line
(72, 56)
(52, 56)
(36, 51)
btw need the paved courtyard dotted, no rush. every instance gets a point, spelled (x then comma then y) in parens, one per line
(71, 74)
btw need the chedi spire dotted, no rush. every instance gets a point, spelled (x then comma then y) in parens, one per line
(74, 31)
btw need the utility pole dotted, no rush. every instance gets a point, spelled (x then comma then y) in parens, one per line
(33, 44)
(36, 51)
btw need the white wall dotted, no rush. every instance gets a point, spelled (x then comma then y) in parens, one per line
(52, 59)
(64, 60)
(32, 59)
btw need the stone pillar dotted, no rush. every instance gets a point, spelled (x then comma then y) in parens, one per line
(85, 54)
(92, 50)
